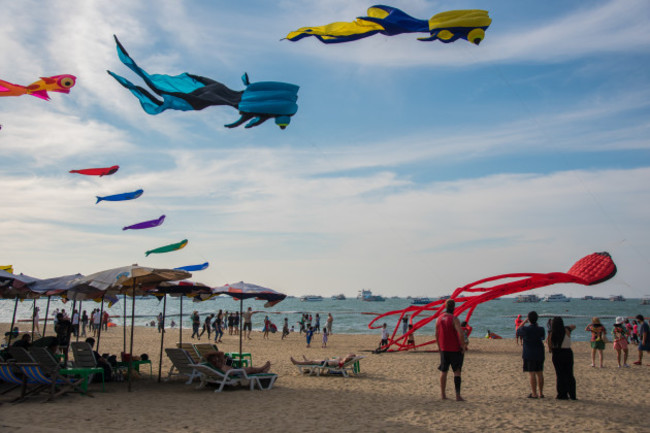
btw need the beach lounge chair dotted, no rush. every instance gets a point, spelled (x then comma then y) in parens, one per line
(203, 349)
(58, 383)
(9, 375)
(45, 358)
(19, 354)
(350, 367)
(182, 364)
(189, 348)
(234, 377)
(84, 359)
(311, 369)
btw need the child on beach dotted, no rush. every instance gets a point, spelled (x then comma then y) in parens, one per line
(324, 338)
(308, 334)
(384, 336)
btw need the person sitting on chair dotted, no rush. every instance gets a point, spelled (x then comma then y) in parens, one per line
(218, 360)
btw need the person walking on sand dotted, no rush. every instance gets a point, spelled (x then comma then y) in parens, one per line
(330, 319)
(451, 343)
(559, 344)
(644, 337)
(598, 339)
(533, 353)
(196, 323)
(285, 328)
(324, 345)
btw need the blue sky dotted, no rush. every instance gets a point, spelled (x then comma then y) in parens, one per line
(411, 168)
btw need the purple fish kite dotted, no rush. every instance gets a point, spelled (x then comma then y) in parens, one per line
(146, 224)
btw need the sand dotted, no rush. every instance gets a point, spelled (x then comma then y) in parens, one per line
(396, 392)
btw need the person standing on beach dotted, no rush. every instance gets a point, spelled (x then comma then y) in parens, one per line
(35, 320)
(97, 322)
(196, 323)
(518, 322)
(405, 324)
(160, 323)
(285, 328)
(317, 324)
(598, 337)
(207, 325)
(248, 322)
(533, 353)
(75, 323)
(330, 319)
(644, 337)
(451, 343)
(324, 345)
(84, 323)
(384, 336)
(619, 332)
(559, 344)
(309, 333)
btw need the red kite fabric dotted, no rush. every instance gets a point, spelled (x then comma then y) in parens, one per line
(105, 171)
(592, 269)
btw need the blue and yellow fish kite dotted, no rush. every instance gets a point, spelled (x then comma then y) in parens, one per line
(449, 26)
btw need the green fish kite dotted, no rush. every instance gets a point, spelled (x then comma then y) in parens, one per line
(168, 248)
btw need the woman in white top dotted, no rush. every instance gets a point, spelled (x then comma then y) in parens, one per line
(559, 344)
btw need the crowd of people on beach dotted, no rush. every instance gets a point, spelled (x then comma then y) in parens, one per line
(558, 342)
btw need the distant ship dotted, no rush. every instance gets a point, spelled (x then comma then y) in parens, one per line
(311, 298)
(557, 297)
(616, 298)
(420, 301)
(593, 298)
(340, 297)
(527, 298)
(366, 295)
(645, 300)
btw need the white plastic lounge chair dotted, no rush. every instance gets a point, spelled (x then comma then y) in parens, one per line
(182, 364)
(350, 367)
(233, 377)
(189, 348)
(203, 349)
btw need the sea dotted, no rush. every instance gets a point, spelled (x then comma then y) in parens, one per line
(351, 316)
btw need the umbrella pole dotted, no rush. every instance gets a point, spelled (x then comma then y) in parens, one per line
(241, 327)
(13, 322)
(180, 321)
(124, 327)
(162, 337)
(33, 317)
(99, 331)
(47, 312)
(132, 327)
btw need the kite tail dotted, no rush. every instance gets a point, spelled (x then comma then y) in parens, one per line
(99, 199)
(148, 102)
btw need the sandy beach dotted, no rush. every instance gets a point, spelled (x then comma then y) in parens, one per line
(396, 392)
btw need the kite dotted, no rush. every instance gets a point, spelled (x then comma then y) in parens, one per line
(194, 268)
(146, 224)
(168, 248)
(106, 171)
(121, 197)
(186, 92)
(56, 83)
(7, 268)
(446, 27)
(592, 269)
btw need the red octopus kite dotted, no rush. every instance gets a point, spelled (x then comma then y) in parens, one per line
(592, 269)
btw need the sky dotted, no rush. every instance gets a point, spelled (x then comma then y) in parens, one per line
(410, 168)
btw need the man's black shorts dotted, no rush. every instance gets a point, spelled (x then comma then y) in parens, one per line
(455, 359)
(248, 325)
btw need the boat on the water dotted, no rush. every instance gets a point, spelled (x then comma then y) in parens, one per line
(366, 295)
(556, 297)
(420, 301)
(527, 298)
(593, 298)
(339, 297)
(616, 298)
(645, 300)
(311, 298)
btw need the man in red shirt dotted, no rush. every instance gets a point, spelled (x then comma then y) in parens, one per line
(449, 336)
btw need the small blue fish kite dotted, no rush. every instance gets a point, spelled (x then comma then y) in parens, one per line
(146, 224)
(193, 268)
(121, 197)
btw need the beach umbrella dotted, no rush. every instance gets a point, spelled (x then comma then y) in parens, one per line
(50, 287)
(241, 291)
(134, 280)
(15, 286)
